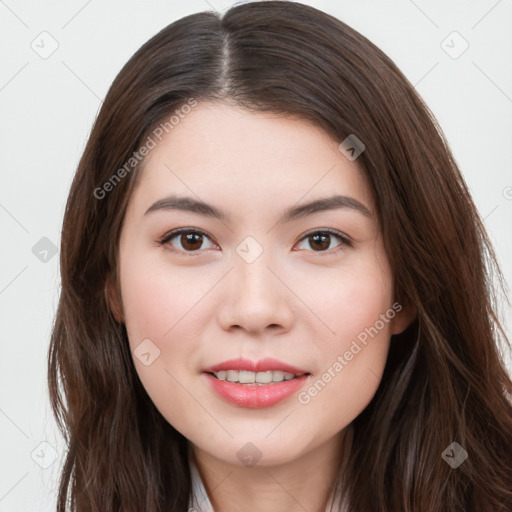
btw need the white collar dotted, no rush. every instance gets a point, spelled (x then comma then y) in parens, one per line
(200, 501)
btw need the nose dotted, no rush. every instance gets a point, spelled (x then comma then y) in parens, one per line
(256, 298)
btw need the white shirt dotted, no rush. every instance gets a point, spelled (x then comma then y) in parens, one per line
(200, 501)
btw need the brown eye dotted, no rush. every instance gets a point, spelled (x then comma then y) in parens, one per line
(191, 241)
(320, 240)
(185, 240)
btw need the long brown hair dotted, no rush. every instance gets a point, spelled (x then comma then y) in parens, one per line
(445, 379)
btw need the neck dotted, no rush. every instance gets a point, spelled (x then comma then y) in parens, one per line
(305, 483)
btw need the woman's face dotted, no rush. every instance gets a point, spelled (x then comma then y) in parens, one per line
(255, 283)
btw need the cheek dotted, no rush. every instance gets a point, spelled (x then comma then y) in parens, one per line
(160, 308)
(349, 301)
(358, 311)
(156, 297)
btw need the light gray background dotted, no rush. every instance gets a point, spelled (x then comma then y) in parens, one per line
(47, 108)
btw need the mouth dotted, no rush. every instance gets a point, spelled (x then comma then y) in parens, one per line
(255, 384)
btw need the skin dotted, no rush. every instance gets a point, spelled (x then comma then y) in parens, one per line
(301, 302)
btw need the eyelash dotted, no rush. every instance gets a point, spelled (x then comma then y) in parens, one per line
(345, 241)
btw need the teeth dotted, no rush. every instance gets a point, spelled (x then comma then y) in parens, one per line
(246, 377)
(232, 376)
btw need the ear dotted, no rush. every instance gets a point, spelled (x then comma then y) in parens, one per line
(404, 316)
(113, 298)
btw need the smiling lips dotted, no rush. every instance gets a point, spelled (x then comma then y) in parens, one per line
(255, 384)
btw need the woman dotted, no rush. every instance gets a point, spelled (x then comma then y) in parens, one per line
(275, 286)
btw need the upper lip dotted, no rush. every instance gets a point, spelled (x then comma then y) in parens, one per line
(263, 365)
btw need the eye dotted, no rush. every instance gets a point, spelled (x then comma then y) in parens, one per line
(188, 240)
(321, 240)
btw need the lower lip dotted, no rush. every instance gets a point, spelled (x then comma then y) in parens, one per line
(247, 395)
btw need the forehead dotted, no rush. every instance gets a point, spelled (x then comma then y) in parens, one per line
(245, 159)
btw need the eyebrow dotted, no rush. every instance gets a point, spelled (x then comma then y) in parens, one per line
(189, 204)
